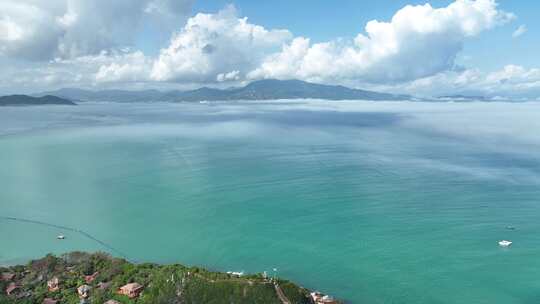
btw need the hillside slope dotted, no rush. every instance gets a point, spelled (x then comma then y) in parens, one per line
(59, 278)
(258, 90)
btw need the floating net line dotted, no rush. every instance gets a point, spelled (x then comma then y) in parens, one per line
(66, 228)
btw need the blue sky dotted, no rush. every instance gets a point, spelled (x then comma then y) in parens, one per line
(416, 47)
(318, 19)
(324, 20)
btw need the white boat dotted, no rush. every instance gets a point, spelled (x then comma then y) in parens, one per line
(505, 243)
(61, 237)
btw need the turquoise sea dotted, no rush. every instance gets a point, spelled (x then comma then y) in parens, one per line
(372, 202)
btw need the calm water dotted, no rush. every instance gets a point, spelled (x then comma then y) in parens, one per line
(370, 202)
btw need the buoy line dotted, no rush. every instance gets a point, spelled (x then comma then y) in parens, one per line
(79, 231)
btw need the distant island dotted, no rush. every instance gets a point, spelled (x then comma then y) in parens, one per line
(461, 97)
(25, 100)
(80, 277)
(267, 89)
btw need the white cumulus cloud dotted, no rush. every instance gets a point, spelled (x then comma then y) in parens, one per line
(231, 76)
(124, 67)
(417, 42)
(43, 30)
(212, 44)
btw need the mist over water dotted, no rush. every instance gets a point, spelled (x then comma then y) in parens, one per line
(372, 202)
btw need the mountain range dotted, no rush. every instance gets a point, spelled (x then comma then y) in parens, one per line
(257, 90)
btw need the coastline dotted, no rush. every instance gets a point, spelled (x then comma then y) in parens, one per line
(80, 277)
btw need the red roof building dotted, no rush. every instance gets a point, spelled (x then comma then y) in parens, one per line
(12, 287)
(132, 290)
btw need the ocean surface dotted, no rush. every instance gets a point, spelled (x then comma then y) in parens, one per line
(372, 202)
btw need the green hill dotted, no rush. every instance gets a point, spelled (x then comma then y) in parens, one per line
(104, 275)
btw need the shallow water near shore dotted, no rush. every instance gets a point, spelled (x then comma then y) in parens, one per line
(372, 202)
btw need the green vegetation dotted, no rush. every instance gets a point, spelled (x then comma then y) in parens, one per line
(162, 283)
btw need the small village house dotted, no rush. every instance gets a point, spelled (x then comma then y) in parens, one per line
(83, 291)
(132, 290)
(52, 284)
(12, 288)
